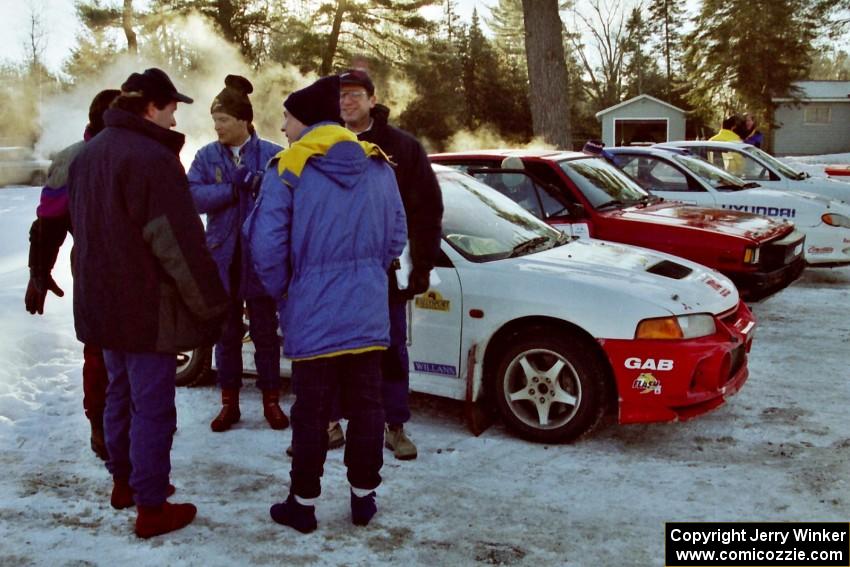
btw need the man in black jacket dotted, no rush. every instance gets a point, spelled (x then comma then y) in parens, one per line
(145, 287)
(423, 204)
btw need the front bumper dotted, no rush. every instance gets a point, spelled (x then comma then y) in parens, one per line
(665, 380)
(755, 286)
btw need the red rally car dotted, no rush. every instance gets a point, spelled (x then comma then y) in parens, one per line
(585, 196)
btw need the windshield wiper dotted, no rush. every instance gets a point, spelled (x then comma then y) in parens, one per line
(528, 245)
(730, 187)
(647, 200)
(609, 204)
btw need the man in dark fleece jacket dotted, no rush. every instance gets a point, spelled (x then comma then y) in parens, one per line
(145, 287)
(423, 205)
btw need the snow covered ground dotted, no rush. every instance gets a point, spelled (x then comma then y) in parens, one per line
(778, 451)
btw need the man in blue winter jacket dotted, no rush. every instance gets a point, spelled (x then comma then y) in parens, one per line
(224, 180)
(328, 224)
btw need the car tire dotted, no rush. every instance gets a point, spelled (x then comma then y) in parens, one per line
(549, 387)
(38, 178)
(193, 367)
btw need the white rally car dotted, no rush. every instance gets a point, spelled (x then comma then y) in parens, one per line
(753, 164)
(552, 331)
(677, 175)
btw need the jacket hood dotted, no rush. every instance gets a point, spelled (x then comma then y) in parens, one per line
(117, 118)
(330, 148)
(380, 114)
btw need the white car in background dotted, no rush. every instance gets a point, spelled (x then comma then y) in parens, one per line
(20, 166)
(753, 164)
(552, 331)
(676, 175)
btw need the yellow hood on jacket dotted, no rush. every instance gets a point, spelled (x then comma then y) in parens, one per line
(317, 142)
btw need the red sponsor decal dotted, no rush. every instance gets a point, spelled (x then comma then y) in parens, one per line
(823, 250)
(717, 286)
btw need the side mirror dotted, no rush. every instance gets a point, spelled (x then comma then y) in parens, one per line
(577, 210)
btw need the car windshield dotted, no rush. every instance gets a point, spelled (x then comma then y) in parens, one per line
(484, 225)
(602, 183)
(783, 168)
(716, 177)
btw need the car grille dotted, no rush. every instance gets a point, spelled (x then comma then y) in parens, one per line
(779, 253)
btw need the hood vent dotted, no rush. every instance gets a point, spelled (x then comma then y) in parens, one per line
(670, 270)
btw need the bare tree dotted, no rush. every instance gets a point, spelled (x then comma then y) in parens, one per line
(606, 26)
(36, 42)
(547, 72)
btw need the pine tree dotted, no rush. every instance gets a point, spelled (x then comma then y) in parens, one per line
(665, 20)
(744, 53)
(547, 72)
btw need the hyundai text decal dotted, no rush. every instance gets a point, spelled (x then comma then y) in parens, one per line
(761, 210)
(434, 368)
(662, 364)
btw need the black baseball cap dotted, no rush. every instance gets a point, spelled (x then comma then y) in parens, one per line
(357, 77)
(155, 84)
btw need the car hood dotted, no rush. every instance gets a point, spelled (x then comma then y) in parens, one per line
(831, 188)
(734, 223)
(666, 281)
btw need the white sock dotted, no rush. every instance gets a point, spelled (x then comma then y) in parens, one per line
(360, 492)
(306, 501)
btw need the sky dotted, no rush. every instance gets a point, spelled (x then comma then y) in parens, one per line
(61, 26)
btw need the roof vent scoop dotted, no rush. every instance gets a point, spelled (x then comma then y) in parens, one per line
(670, 270)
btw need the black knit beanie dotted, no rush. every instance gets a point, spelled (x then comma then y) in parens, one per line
(317, 103)
(233, 98)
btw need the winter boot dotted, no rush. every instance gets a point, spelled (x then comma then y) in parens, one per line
(291, 513)
(271, 410)
(122, 494)
(229, 413)
(157, 520)
(362, 508)
(336, 438)
(98, 441)
(400, 444)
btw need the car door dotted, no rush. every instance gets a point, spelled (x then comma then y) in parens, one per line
(434, 321)
(665, 179)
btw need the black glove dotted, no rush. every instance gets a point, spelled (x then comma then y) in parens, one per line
(417, 282)
(246, 180)
(37, 289)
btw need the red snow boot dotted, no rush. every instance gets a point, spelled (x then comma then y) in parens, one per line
(122, 494)
(157, 520)
(271, 410)
(229, 413)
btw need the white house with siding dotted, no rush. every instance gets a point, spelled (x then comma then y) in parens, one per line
(819, 123)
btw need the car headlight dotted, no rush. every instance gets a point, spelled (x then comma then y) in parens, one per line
(834, 219)
(681, 327)
(751, 255)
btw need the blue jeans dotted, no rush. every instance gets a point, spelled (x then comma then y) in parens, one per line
(357, 379)
(262, 325)
(139, 421)
(395, 367)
